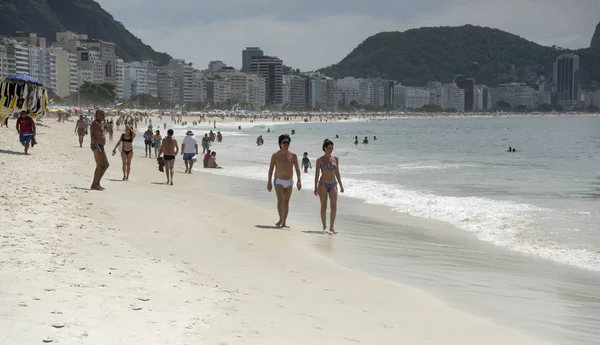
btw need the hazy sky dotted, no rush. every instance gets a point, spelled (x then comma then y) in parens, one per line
(311, 34)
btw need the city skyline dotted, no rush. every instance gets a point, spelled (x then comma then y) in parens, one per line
(311, 37)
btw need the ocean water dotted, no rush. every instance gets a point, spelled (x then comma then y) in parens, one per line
(524, 246)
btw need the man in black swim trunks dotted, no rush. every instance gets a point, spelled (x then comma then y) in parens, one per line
(97, 142)
(170, 149)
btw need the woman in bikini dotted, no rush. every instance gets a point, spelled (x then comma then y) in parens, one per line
(327, 177)
(157, 141)
(126, 150)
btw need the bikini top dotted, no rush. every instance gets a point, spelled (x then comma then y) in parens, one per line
(326, 167)
(123, 139)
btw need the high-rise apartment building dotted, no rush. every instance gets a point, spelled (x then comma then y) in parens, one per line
(448, 97)
(183, 73)
(91, 60)
(349, 90)
(17, 57)
(257, 97)
(294, 94)
(167, 85)
(410, 98)
(104, 51)
(152, 78)
(566, 80)
(247, 55)
(135, 79)
(119, 78)
(515, 94)
(199, 86)
(3, 62)
(467, 84)
(66, 72)
(271, 69)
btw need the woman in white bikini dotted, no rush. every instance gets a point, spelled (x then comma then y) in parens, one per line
(327, 177)
(126, 150)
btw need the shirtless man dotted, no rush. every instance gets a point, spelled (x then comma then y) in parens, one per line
(284, 162)
(81, 128)
(170, 149)
(97, 142)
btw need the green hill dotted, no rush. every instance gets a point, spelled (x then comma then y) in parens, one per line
(491, 56)
(46, 17)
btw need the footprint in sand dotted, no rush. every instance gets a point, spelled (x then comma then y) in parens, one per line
(58, 325)
(47, 340)
(143, 299)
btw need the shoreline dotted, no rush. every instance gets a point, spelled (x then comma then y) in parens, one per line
(85, 262)
(466, 273)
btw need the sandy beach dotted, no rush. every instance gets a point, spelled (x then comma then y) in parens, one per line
(146, 263)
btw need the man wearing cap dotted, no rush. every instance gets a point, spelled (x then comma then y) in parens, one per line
(189, 149)
(26, 130)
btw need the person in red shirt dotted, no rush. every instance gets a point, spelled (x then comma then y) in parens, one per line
(26, 130)
(206, 157)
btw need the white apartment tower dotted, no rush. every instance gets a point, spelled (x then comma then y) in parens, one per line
(119, 78)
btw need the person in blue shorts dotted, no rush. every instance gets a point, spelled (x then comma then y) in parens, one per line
(26, 130)
(189, 149)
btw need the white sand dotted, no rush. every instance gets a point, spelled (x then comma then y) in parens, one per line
(195, 263)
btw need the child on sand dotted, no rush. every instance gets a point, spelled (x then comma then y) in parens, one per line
(306, 162)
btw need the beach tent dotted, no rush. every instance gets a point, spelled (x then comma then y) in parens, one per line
(27, 79)
(22, 92)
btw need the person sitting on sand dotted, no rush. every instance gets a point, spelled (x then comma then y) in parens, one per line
(283, 162)
(126, 150)
(212, 161)
(97, 142)
(327, 177)
(81, 128)
(148, 141)
(205, 160)
(170, 149)
(26, 129)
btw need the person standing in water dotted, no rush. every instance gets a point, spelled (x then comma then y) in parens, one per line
(97, 142)
(126, 150)
(306, 162)
(81, 128)
(283, 162)
(327, 177)
(170, 149)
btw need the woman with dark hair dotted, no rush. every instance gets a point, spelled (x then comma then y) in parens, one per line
(126, 140)
(327, 177)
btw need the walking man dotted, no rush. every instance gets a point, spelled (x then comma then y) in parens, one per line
(284, 162)
(97, 142)
(26, 130)
(189, 149)
(81, 128)
(169, 149)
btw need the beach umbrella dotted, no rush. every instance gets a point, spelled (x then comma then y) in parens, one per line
(24, 78)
